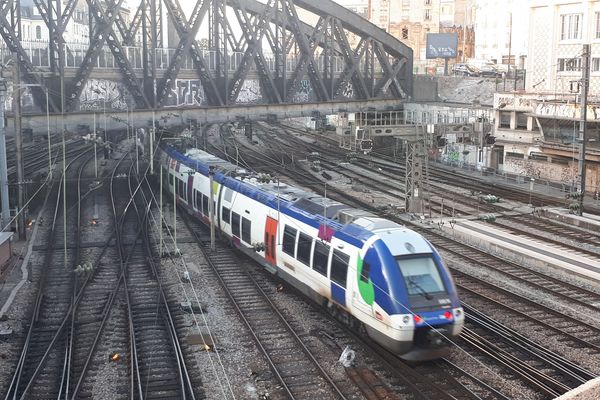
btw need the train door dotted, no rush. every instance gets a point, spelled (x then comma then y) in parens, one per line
(270, 240)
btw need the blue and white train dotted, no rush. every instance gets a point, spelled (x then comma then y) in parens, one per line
(379, 276)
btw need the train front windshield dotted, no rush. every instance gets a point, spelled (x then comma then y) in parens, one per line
(421, 275)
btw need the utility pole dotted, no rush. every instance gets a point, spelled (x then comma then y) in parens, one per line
(585, 84)
(19, 147)
(211, 208)
(4, 198)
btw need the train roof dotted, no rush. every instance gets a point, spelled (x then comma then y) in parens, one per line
(354, 225)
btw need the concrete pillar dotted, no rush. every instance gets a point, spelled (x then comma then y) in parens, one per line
(513, 120)
(530, 123)
(496, 119)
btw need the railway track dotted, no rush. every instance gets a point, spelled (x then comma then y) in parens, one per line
(116, 309)
(297, 370)
(580, 296)
(52, 302)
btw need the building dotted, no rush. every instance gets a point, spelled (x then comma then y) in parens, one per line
(537, 132)
(501, 31)
(412, 20)
(34, 29)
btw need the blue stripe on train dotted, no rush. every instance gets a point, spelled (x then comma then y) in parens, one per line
(338, 294)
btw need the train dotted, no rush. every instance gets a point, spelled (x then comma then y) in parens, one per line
(377, 276)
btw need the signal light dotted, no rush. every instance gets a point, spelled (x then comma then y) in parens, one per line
(418, 319)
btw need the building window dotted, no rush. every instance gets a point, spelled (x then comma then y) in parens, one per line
(597, 19)
(38, 32)
(570, 26)
(404, 33)
(427, 2)
(427, 16)
(595, 64)
(569, 64)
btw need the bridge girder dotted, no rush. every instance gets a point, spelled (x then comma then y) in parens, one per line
(378, 66)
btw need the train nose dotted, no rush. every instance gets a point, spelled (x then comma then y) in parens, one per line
(430, 338)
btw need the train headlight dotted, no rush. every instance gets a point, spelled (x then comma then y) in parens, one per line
(406, 319)
(458, 312)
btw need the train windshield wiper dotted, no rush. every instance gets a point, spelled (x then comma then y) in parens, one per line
(422, 291)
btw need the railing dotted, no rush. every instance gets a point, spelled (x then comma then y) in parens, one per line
(75, 53)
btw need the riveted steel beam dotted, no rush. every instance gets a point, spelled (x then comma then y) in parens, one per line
(185, 44)
(180, 21)
(352, 61)
(29, 73)
(254, 32)
(302, 41)
(104, 33)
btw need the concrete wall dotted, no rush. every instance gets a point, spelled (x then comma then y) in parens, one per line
(460, 89)
(425, 88)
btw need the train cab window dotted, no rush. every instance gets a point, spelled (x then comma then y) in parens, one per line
(366, 272)
(289, 240)
(339, 267)
(204, 205)
(304, 245)
(225, 215)
(320, 258)
(421, 275)
(246, 236)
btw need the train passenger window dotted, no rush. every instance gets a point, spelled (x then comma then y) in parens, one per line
(366, 272)
(235, 224)
(198, 202)
(204, 205)
(246, 224)
(171, 177)
(304, 245)
(289, 240)
(339, 267)
(184, 190)
(225, 214)
(228, 194)
(320, 257)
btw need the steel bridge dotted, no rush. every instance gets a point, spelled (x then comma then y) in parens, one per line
(275, 52)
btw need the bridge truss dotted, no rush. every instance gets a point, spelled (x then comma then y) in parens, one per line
(285, 45)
